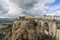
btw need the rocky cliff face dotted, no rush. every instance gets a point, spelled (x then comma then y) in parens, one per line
(27, 29)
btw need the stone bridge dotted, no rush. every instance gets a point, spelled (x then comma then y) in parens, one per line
(30, 28)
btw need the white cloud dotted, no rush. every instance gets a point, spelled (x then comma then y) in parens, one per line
(40, 7)
(13, 10)
(54, 10)
(43, 9)
(35, 8)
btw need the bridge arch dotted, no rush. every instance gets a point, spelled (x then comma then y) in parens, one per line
(46, 26)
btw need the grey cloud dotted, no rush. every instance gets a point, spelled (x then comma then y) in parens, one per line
(3, 9)
(31, 13)
(27, 13)
(10, 7)
(25, 4)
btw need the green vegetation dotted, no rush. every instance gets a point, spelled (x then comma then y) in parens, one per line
(2, 26)
(9, 27)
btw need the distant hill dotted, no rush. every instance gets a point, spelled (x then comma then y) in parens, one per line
(3, 20)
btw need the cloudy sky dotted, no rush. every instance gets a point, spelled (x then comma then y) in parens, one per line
(16, 8)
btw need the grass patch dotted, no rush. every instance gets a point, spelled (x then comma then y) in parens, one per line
(2, 26)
